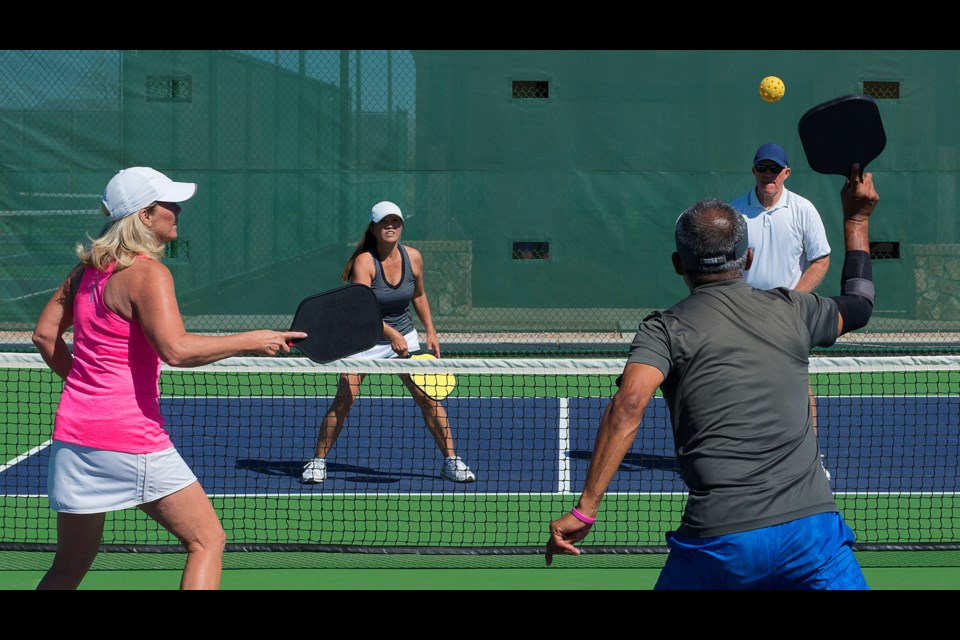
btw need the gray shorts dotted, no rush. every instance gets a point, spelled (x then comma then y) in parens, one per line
(86, 480)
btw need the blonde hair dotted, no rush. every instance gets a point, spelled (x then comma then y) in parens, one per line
(121, 241)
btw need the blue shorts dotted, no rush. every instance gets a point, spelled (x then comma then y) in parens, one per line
(810, 553)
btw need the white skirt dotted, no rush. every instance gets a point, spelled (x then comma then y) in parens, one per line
(381, 351)
(86, 480)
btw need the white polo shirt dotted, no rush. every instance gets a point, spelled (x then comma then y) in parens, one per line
(784, 238)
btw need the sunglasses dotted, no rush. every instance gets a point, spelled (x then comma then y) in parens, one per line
(772, 168)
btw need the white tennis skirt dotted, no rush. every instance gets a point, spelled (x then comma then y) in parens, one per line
(381, 351)
(86, 480)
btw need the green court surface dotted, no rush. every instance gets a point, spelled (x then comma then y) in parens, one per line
(499, 520)
(887, 570)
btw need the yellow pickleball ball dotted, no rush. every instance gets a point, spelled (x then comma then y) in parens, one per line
(772, 88)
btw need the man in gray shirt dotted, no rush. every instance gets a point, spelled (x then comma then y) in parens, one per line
(732, 362)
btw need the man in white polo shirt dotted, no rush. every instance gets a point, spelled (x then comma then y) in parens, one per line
(790, 247)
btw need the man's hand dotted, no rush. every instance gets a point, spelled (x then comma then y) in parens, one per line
(858, 195)
(564, 532)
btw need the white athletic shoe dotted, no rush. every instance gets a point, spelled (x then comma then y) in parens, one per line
(824, 467)
(455, 470)
(315, 471)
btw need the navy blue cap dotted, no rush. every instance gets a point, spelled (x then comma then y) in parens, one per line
(773, 152)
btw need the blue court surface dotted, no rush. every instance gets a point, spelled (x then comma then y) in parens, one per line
(257, 446)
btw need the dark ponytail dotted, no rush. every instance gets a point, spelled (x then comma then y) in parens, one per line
(367, 242)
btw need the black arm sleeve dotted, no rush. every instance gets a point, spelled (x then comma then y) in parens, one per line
(856, 311)
(856, 285)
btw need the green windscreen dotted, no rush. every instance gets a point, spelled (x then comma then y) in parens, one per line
(540, 186)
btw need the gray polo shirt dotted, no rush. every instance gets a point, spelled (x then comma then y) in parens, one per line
(735, 362)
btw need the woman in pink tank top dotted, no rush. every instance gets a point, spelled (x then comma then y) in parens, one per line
(122, 306)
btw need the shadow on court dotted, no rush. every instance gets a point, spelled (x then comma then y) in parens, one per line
(343, 472)
(636, 461)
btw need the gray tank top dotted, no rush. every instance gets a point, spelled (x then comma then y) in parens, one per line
(394, 300)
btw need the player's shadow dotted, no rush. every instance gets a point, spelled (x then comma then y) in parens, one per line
(636, 461)
(345, 472)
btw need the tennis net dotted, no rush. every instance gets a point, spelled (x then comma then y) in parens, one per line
(889, 430)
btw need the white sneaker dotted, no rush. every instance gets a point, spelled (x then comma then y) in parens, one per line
(824, 467)
(455, 470)
(315, 471)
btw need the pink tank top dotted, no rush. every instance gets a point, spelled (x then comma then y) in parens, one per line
(111, 399)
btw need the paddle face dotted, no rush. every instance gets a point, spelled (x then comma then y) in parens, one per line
(436, 385)
(840, 132)
(338, 323)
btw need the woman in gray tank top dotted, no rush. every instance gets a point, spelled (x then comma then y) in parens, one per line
(395, 273)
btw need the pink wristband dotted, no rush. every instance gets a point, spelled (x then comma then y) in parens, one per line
(582, 518)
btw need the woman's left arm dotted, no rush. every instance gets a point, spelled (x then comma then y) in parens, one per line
(420, 303)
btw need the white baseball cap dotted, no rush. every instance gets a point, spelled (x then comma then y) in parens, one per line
(383, 209)
(134, 188)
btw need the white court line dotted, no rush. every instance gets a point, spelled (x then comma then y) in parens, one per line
(30, 295)
(496, 494)
(454, 494)
(37, 449)
(400, 494)
(532, 494)
(563, 455)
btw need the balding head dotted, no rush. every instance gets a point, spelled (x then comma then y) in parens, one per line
(711, 239)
